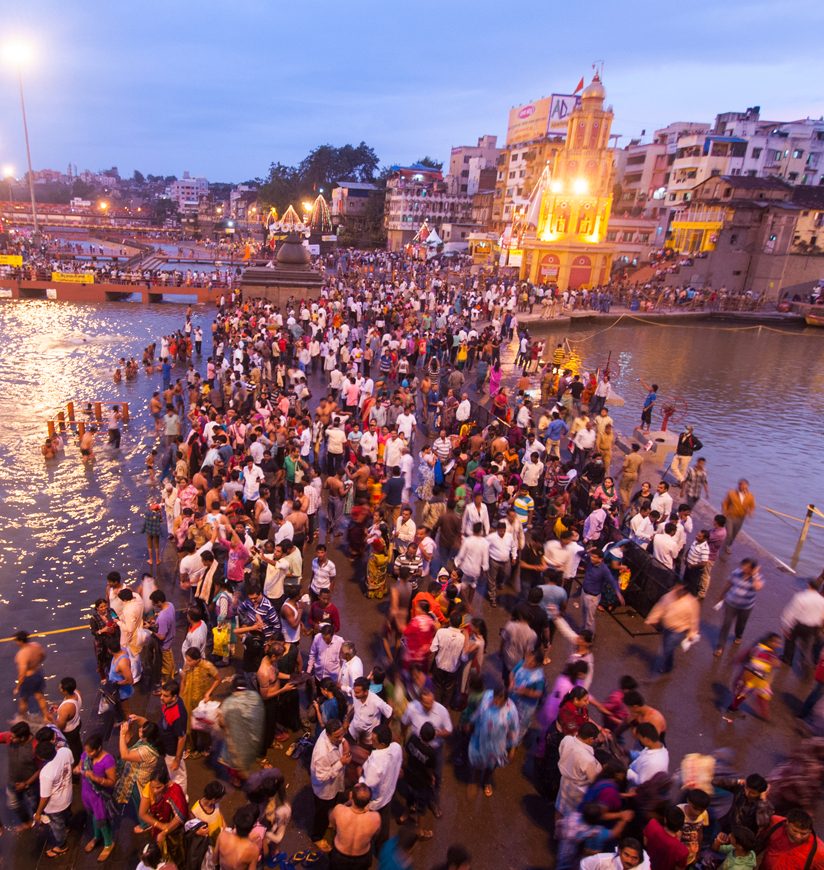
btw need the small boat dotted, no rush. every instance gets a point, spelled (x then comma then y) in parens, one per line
(814, 319)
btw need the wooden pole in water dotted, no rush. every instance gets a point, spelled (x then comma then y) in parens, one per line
(805, 528)
(50, 427)
(81, 428)
(61, 420)
(124, 408)
(98, 411)
(70, 412)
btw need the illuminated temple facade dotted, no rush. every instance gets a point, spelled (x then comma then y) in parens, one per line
(568, 246)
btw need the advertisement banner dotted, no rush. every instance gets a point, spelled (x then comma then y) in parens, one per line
(73, 277)
(528, 122)
(11, 259)
(560, 109)
(5, 293)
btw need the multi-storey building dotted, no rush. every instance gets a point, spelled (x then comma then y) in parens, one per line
(418, 193)
(187, 192)
(467, 163)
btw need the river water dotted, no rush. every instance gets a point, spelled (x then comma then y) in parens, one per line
(756, 401)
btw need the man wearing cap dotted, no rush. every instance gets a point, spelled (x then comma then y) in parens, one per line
(688, 444)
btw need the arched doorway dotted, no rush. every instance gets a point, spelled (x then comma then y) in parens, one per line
(580, 275)
(549, 267)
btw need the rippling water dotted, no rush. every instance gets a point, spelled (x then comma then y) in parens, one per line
(756, 401)
(64, 528)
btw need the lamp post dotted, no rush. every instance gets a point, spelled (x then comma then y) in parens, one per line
(17, 55)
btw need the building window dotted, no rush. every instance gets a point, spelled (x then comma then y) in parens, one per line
(792, 176)
(756, 153)
(733, 238)
(798, 153)
(512, 174)
(466, 158)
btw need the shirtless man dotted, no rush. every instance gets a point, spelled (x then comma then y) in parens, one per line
(87, 447)
(30, 680)
(235, 851)
(334, 503)
(355, 826)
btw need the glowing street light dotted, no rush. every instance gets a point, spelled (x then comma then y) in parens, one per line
(8, 171)
(19, 55)
(102, 205)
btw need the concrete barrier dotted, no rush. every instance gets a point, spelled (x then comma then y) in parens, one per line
(61, 291)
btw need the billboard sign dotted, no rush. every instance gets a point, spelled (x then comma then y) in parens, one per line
(561, 107)
(528, 121)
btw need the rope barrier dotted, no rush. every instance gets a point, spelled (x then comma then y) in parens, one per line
(797, 519)
(47, 633)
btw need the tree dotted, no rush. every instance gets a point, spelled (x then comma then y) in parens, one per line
(138, 177)
(430, 162)
(281, 186)
(163, 210)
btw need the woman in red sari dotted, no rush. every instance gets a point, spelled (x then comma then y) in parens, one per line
(164, 809)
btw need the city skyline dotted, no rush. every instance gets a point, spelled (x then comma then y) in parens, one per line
(226, 93)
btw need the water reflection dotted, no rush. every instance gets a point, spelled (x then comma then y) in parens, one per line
(756, 401)
(64, 527)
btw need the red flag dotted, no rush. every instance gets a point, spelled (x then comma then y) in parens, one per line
(580, 86)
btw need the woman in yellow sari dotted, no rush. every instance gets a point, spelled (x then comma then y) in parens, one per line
(377, 569)
(199, 678)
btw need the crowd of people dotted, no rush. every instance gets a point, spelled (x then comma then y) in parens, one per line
(370, 439)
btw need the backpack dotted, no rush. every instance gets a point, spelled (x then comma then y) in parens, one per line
(763, 841)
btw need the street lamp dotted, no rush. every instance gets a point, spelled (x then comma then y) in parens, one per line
(18, 54)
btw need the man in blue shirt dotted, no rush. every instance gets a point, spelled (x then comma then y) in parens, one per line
(596, 574)
(649, 403)
(554, 432)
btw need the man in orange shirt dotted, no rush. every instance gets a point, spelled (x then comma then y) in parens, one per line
(738, 504)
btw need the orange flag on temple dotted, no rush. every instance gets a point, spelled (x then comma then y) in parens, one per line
(247, 253)
(580, 86)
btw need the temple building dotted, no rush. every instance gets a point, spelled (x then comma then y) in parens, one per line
(567, 244)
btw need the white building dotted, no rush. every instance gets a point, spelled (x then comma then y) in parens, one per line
(187, 192)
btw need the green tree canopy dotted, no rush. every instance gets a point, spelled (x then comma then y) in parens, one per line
(320, 169)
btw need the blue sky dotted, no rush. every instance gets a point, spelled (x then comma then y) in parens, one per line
(224, 88)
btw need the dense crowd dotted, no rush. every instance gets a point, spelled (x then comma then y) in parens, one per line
(371, 437)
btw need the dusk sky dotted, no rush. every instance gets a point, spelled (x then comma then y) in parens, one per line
(224, 88)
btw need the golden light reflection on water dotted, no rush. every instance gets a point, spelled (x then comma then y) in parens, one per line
(64, 528)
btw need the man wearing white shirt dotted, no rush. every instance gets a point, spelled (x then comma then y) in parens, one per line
(367, 712)
(652, 759)
(369, 444)
(252, 477)
(473, 560)
(447, 646)
(628, 856)
(406, 424)
(351, 669)
(285, 529)
(531, 472)
(475, 512)
(503, 554)
(665, 547)
(662, 501)
(381, 771)
(464, 409)
(801, 621)
(641, 528)
(256, 450)
(55, 791)
(405, 530)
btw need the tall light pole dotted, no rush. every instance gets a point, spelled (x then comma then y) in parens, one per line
(17, 54)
